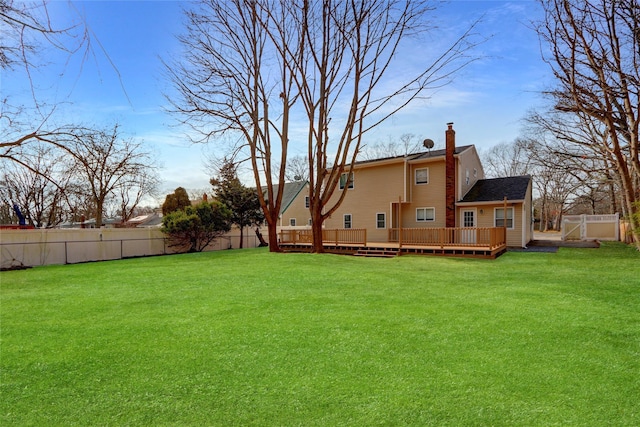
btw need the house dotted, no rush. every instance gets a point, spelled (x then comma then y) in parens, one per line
(434, 189)
(294, 210)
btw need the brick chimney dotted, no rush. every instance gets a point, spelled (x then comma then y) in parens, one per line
(450, 171)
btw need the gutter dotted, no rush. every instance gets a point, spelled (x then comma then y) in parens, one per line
(490, 202)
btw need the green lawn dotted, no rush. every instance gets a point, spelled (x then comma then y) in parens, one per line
(254, 338)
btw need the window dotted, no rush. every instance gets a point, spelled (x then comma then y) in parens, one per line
(306, 202)
(381, 220)
(499, 217)
(467, 176)
(475, 172)
(425, 214)
(310, 221)
(292, 222)
(343, 180)
(422, 176)
(347, 220)
(468, 218)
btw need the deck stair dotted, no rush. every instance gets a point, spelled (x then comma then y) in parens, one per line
(378, 252)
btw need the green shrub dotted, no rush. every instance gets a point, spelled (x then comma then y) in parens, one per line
(196, 227)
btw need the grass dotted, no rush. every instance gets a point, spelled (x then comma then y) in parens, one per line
(254, 338)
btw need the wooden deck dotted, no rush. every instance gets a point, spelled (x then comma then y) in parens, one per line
(450, 245)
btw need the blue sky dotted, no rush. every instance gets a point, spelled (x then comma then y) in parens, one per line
(486, 101)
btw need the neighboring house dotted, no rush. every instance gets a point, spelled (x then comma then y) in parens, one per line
(435, 189)
(153, 219)
(294, 210)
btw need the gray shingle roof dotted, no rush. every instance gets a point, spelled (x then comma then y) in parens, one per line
(495, 189)
(289, 192)
(417, 156)
(438, 153)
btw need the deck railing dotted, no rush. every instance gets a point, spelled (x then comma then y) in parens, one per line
(356, 236)
(490, 237)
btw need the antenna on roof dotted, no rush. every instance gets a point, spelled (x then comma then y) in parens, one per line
(428, 144)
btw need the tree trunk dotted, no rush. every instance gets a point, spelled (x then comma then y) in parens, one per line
(263, 243)
(241, 237)
(316, 229)
(99, 209)
(272, 228)
(634, 219)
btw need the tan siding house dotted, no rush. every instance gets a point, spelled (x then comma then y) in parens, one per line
(484, 199)
(294, 211)
(421, 191)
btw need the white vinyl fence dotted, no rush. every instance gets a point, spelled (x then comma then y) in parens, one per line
(36, 247)
(591, 227)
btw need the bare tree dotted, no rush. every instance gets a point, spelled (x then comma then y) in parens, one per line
(43, 201)
(253, 67)
(134, 189)
(408, 144)
(225, 86)
(508, 159)
(297, 169)
(106, 163)
(568, 141)
(595, 57)
(27, 30)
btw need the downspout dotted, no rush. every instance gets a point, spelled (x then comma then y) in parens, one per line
(524, 228)
(405, 179)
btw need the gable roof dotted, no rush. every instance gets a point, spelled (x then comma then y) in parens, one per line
(495, 189)
(289, 193)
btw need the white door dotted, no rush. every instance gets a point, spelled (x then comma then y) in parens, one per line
(468, 220)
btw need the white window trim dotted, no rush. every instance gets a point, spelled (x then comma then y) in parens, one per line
(384, 215)
(415, 176)
(425, 214)
(513, 217)
(344, 221)
(349, 182)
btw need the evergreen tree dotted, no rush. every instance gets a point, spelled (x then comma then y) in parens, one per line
(195, 227)
(176, 201)
(242, 201)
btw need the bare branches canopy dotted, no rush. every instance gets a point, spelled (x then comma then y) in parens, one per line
(594, 53)
(316, 71)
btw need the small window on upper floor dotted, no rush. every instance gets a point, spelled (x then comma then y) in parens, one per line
(422, 176)
(343, 180)
(292, 222)
(306, 202)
